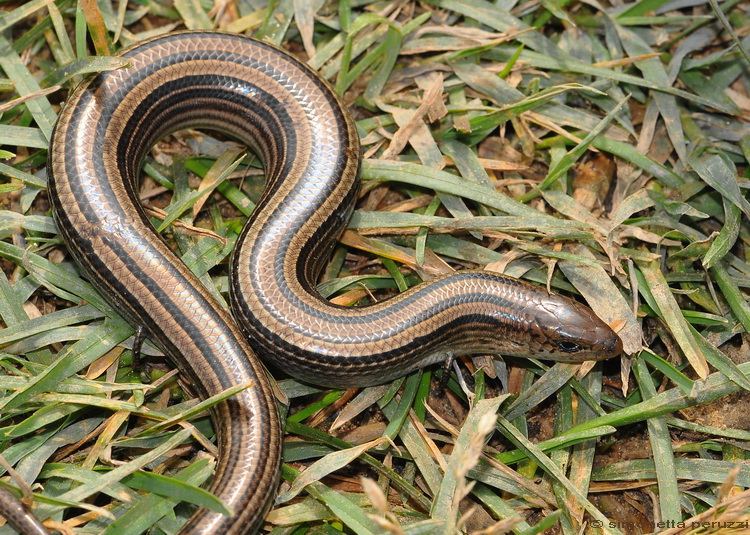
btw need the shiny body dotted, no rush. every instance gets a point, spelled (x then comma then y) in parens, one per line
(310, 150)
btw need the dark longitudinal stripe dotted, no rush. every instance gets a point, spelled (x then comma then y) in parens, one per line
(310, 148)
(95, 200)
(183, 102)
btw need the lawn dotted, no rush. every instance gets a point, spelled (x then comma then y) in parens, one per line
(599, 150)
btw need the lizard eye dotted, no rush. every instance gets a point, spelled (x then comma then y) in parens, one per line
(568, 347)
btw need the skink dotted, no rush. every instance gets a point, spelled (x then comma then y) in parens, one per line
(290, 117)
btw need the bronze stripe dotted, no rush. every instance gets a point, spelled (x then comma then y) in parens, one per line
(311, 157)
